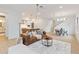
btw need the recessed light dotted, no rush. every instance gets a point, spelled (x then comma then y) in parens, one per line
(23, 14)
(60, 6)
(38, 13)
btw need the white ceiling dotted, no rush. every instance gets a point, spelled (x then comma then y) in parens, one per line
(47, 11)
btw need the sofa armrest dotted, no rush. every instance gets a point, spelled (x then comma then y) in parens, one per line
(38, 36)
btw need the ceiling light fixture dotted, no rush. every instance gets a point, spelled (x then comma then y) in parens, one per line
(61, 7)
(37, 11)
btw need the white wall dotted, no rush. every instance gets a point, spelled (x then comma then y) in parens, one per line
(49, 26)
(13, 19)
(77, 28)
(44, 24)
(68, 25)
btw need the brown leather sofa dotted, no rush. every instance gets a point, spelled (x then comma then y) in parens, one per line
(27, 40)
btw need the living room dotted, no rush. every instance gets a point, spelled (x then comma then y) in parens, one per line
(60, 22)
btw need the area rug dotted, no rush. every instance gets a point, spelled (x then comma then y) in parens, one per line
(58, 47)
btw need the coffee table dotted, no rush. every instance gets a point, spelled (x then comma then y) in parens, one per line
(47, 42)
